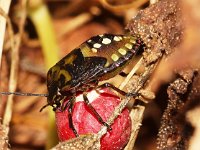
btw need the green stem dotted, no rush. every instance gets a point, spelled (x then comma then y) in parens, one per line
(41, 19)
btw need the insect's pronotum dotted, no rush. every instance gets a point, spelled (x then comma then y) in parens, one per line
(99, 58)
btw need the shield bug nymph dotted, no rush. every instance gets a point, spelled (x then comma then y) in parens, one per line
(99, 58)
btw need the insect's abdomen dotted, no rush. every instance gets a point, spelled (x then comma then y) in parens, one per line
(118, 50)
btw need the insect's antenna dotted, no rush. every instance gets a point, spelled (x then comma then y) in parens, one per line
(23, 94)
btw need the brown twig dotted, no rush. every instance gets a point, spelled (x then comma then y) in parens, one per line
(153, 1)
(136, 117)
(75, 23)
(14, 67)
(119, 8)
(4, 5)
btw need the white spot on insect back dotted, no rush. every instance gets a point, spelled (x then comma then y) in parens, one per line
(106, 41)
(97, 45)
(89, 40)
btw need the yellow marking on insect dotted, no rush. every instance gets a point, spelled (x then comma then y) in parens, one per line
(66, 74)
(70, 59)
(55, 70)
(132, 41)
(94, 50)
(128, 45)
(106, 41)
(122, 51)
(87, 51)
(54, 96)
(107, 64)
(114, 57)
(97, 45)
(116, 38)
(120, 37)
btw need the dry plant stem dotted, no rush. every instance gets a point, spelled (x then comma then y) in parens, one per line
(4, 145)
(136, 67)
(14, 66)
(83, 142)
(4, 5)
(71, 7)
(153, 1)
(136, 118)
(75, 23)
(9, 28)
(27, 65)
(193, 117)
(134, 4)
(138, 111)
(125, 101)
(45, 31)
(38, 11)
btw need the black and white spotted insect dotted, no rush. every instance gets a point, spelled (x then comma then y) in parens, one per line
(99, 58)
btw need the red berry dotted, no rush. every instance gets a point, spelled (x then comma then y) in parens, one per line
(85, 122)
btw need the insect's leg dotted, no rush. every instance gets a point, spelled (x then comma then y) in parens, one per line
(95, 112)
(123, 74)
(65, 104)
(44, 107)
(116, 89)
(112, 87)
(70, 109)
(48, 104)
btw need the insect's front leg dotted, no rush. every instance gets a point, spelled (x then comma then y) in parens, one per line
(95, 112)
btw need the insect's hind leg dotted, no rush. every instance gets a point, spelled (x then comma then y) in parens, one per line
(112, 87)
(116, 89)
(70, 109)
(95, 112)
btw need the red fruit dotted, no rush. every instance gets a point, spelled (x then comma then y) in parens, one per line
(85, 122)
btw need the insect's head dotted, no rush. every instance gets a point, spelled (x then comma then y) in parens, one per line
(52, 85)
(58, 80)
